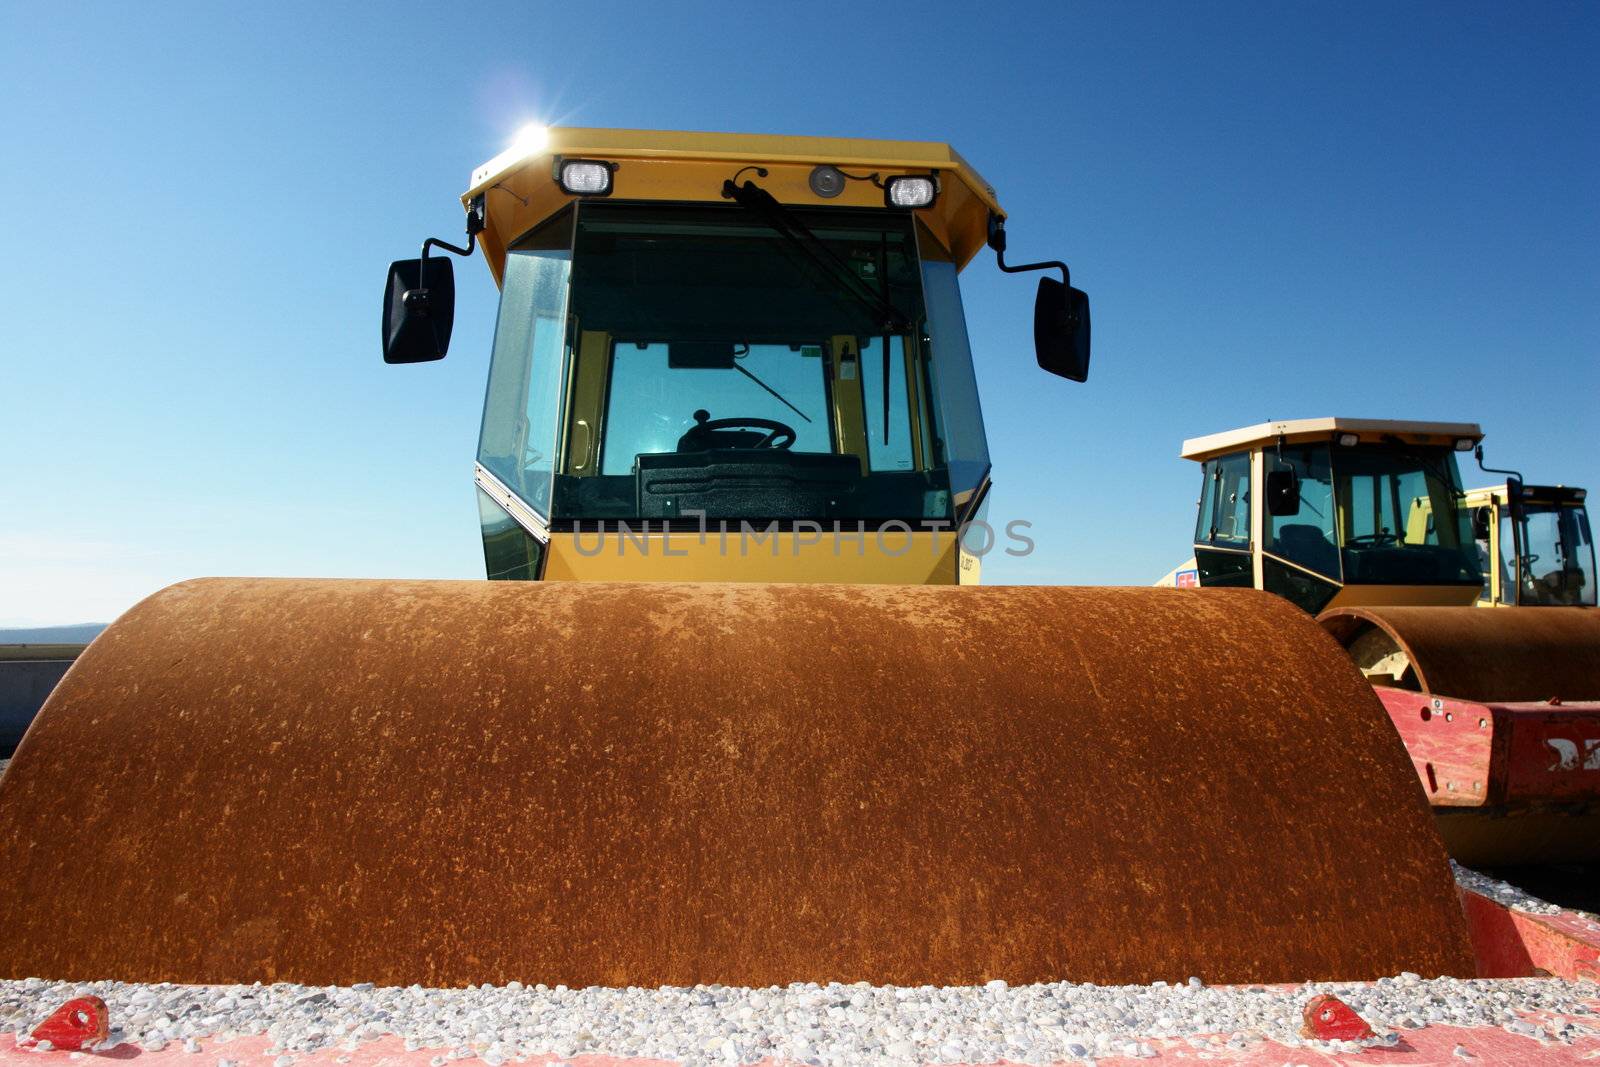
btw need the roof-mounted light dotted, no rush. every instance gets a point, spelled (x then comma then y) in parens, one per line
(1464, 444)
(584, 177)
(910, 190)
(1348, 440)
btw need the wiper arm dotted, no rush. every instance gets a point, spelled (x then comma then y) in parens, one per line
(754, 198)
(1429, 464)
(776, 395)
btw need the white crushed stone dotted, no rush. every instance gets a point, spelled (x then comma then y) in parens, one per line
(811, 1024)
(1508, 894)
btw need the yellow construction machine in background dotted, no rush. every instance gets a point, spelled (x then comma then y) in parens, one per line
(1335, 512)
(1537, 545)
(1364, 523)
(1371, 512)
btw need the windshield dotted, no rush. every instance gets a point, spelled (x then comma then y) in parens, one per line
(1401, 520)
(1556, 557)
(715, 366)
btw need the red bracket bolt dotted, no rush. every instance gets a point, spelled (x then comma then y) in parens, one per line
(78, 1023)
(1327, 1018)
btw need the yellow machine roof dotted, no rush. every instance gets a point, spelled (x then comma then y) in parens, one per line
(1293, 430)
(520, 190)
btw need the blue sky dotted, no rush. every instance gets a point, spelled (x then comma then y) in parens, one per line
(1282, 211)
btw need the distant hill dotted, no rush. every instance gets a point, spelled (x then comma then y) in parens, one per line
(79, 634)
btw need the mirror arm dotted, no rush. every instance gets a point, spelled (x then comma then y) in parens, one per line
(475, 225)
(435, 242)
(1477, 454)
(997, 241)
(1000, 261)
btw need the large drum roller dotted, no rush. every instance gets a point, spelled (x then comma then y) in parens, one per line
(1500, 711)
(648, 784)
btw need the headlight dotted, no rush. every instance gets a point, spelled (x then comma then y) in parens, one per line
(584, 177)
(910, 191)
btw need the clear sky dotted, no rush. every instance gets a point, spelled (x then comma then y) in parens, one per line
(1280, 210)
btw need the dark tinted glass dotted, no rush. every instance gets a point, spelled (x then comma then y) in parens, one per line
(509, 551)
(1306, 591)
(1232, 569)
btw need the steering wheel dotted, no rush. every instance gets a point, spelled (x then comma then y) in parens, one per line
(1371, 539)
(744, 432)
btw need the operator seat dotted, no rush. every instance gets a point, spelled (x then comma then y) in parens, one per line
(1308, 546)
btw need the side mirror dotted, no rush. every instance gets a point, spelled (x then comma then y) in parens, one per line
(1283, 492)
(416, 321)
(1061, 329)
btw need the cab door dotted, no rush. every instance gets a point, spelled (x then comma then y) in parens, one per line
(1222, 531)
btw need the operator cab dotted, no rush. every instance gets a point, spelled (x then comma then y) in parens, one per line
(727, 333)
(1348, 512)
(1538, 544)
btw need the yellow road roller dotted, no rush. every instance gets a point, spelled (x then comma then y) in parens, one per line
(742, 718)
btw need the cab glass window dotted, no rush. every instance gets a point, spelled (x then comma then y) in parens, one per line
(961, 439)
(886, 397)
(1508, 558)
(724, 366)
(1483, 516)
(651, 404)
(1557, 562)
(509, 551)
(522, 411)
(1401, 517)
(1225, 502)
(1307, 537)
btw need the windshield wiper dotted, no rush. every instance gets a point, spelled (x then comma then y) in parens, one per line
(1429, 463)
(776, 395)
(752, 197)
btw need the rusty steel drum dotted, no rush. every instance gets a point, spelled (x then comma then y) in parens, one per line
(658, 784)
(1484, 654)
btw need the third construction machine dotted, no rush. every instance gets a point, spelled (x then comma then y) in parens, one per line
(1365, 522)
(740, 723)
(1536, 544)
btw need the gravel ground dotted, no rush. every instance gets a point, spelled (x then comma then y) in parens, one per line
(833, 1024)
